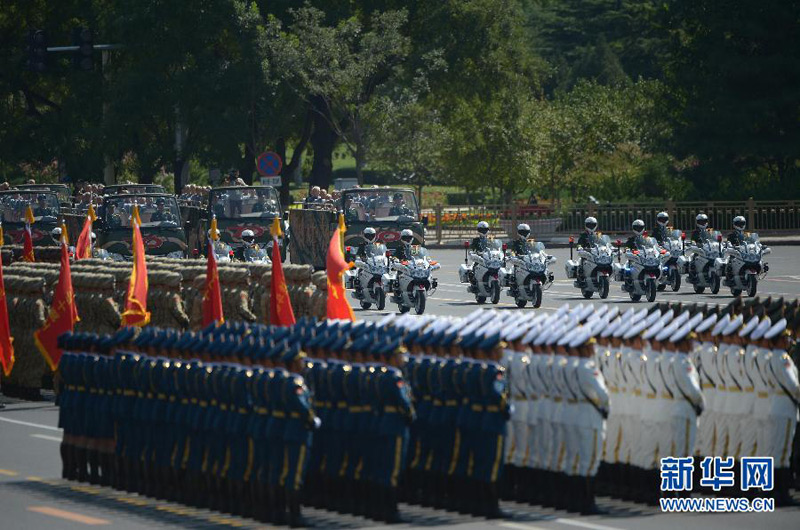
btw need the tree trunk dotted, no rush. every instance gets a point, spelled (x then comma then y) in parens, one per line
(360, 162)
(178, 171)
(248, 164)
(147, 174)
(290, 167)
(323, 140)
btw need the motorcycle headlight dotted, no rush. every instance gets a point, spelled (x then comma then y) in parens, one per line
(116, 257)
(603, 260)
(178, 254)
(752, 257)
(419, 273)
(536, 266)
(650, 262)
(493, 264)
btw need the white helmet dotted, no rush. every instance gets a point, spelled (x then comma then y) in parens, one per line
(739, 223)
(369, 234)
(701, 220)
(249, 237)
(523, 230)
(407, 236)
(483, 228)
(216, 233)
(590, 223)
(56, 234)
(662, 218)
(94, 237)
(638, 226)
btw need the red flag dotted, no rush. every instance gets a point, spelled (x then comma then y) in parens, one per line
(27, 242)
(6, 341)
(83, 248)
(280, 307)
(136, 313)
(338, 306)
(63, 312)
(212, 299)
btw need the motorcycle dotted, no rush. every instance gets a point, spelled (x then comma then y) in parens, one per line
(412, 284)
(222, 251)
(640, 274)
(261, 255)
(483, 276)
(368, 277)
(527, 276)
(592, 273)
(675, 262)
(744, 266)
(704, 262)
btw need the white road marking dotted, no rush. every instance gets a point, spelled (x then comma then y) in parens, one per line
(520, 526)
(45, 437)
(34, 425)
(583, 524)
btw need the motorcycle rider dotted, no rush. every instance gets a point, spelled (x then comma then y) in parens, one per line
(249, 240)
(480, 243)
(736, 237)
(636, 241)
(588, 238)
(370, 237)
(660, 230)
(700, 233)
(520, 245)
(404, 252)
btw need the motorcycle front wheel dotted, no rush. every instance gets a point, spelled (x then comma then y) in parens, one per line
(715, 282)
(752, 285)
(587, 293)
(735, 291)
(521, 302)
(495, 293)
(365, 305)
(675, 280)
(603, 287)
(698, 289)
(419, 302)
(651, 291)
(635, 297)
(381, 305)
(537, 295)
(402, 308)
(480, 299)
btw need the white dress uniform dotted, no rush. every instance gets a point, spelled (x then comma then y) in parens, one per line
(730, 392)
(591, 410)
(756, 365)
(714, 396)
(609, 367)
(702, 352)
(784, 402)
(688, 403)
(742, 415)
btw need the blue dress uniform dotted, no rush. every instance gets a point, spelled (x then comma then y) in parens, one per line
(298, 434)
(315, 377)
(276, 427)
(239, 456)
(336, 455)
(258, 450)
(397, 415)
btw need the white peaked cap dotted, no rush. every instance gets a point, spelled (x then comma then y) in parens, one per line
(733, 325)
(721, 325)
(696, 319)
(668, 331)
(706, 324)
(580, 337)
(563, 310)
(761, 329)
(683, 318)
(682, 332)
(639, 315)
(652, 330)
(749, 327)
(776, 330)
(667, 316)
(611, 328)
(634, 330)
(652, 317)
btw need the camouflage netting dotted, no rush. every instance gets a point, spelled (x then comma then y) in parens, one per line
(94, 296)
(27, 313)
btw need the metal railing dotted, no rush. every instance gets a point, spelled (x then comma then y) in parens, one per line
(458, 222)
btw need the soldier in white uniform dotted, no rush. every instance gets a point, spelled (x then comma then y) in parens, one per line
(784, 397)
(688, 403)
(757, 368)
(701, 344)
(730, 392)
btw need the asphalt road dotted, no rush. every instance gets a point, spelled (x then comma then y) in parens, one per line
(33, 496)
(452, 298)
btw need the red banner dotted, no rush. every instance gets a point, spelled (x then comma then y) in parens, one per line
(338, 306)
(212, 298)
(6, 341)
(136, 313)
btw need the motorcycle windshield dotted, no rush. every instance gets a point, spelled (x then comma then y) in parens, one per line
(676, 234)
(494, 244)
(752, 238)
(419, 252)
(534, 248)
(255, 255)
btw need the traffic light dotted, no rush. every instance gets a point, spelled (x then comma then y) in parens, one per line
(82, 59)
(37, 51)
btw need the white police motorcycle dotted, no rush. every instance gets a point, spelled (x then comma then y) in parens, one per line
(675, 262)
(483, 276)
(411, 281)
(368, 277)
(705, 262)
(526, 275)
(640, 274)
(744, 265)
(593, 275)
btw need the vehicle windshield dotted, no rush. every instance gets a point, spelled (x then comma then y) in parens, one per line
(380, 205)
(244, 203)
(376, 249)
(44, 205)
(61, 191)
(153, 210)
(133, 189)
(534, 247)
(419, 252)
(675, 234)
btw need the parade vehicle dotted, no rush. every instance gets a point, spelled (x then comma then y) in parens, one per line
(388, 210)
(133, 189)
(592, 273)
(368, 277)
(483, 276)
(61, 190)
(744, 265)
(46, 215)
(526, 275)
(412, 283)
(705, 260)
(162, 227)
(640, 275)
(240, 208)
(675, 261)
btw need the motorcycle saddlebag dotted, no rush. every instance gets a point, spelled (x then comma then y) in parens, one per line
(571, 268)
(463, 273)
